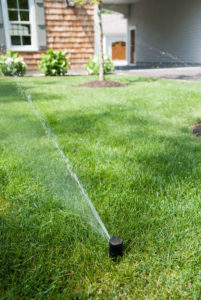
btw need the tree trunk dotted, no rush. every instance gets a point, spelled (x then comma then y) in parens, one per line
(101, 71)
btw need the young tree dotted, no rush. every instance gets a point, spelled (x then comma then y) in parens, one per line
(100, 31)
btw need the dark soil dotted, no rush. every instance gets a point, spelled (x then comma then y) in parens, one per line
(102, 84)
(196, 130)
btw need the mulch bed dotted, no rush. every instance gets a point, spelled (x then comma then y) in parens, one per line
(102, 84)
(196, 130)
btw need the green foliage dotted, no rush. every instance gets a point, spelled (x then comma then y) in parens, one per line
(93, 66)
(54, 63)
(12, 65)
(107, 12)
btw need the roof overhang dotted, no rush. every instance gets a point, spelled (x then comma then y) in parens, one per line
(120, 6)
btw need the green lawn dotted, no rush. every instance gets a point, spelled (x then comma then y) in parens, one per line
(141, 166)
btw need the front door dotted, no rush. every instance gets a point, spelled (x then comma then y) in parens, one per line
(119, 50)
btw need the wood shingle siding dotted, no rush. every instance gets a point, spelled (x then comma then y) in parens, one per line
(71, 30)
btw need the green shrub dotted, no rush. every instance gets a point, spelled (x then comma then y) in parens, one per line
(54, 63)
(93, 65)
(12, 65)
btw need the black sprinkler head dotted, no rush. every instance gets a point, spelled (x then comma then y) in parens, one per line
(115, 247)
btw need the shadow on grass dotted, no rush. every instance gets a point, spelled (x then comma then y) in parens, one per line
(133, 80)
(22, 127)
(9, 93)
(179, 154)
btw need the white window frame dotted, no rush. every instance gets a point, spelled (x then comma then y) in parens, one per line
(34, 42)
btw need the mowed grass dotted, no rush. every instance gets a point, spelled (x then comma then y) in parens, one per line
(141, 166)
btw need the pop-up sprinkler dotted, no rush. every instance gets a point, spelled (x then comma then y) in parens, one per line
(115, 247)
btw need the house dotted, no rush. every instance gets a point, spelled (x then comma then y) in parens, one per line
(161, 32)
(31, 27)
(115, 37)
(150, 33)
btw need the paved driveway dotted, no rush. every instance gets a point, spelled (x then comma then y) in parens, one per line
(187, 73)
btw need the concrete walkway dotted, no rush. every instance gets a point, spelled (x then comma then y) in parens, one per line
(186, 73)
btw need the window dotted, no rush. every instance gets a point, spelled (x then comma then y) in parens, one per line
(20, 24)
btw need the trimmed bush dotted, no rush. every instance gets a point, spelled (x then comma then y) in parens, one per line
(93, 66)
(54, 63)
(12, 65)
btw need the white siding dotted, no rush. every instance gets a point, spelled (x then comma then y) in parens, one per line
(167, 31)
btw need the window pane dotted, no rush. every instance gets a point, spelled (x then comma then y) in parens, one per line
(25, 29)
(24, 15)
(18, 29)
(12, 3)
(26, 40)
(15, 40)
(23, 4)
(13, 29)
(13, 15)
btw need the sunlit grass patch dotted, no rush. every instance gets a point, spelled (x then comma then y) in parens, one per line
(140, 164)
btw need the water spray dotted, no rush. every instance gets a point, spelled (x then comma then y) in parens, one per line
(115, 243)
(64, 158)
